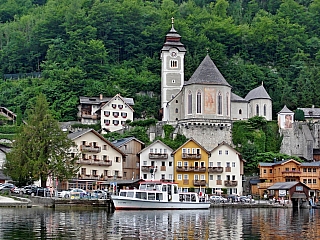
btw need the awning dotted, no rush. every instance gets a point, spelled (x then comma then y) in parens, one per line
(298, 195)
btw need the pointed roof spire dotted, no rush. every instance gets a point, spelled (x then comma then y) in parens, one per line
(207, 73)
(285, 109)
(173, 39)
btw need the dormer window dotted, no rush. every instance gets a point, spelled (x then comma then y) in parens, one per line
(115, 114)
(173, 63)
(120, 106)
(107, 113)
(124, 114)
(113, 105)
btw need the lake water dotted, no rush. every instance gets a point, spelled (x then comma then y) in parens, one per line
(216, 223)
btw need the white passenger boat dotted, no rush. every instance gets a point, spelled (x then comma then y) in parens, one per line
(157, 195)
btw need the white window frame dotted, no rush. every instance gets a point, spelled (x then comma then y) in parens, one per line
(179, 176)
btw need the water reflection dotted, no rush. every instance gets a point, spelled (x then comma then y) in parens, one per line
(219, 223)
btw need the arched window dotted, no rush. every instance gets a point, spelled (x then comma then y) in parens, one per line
(177, 110)
(198, 102)
(240, 111)
(227, 100)
(265, 110)
(257, 110)
(189, 102)
(219, 103)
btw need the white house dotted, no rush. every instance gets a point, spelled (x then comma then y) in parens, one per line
(99, 159)
(156, 162)
(114, 114)
(225, 169)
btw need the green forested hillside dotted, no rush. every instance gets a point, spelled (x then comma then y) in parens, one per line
(88, 47)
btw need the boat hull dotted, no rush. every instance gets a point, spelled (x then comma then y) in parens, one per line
(124, 203)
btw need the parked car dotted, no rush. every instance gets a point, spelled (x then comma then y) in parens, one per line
(64, 194)
(218, 199)
(78, 193)
(24, 189)
(38, 191)
(15, 190)
(246, 199)
(100, 194)
(6, 187)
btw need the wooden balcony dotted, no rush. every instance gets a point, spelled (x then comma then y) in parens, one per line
(230, 183)
(219, 182)
(291, 173)
(228, 169)
(265, 185)
(215, 169)
(163, 168)
(199, 182)
(158, 156)
(96, 162)
(200, 169)
(184, 169)
(89, 116)
(85, 148)
(191, 156)
(145, 168)
(91, 177)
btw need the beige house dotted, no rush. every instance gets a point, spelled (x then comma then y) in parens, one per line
(156, 162)
(115, 113)
(225, 170)
(99, 160)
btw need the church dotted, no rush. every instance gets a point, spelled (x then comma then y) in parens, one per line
(203, 107)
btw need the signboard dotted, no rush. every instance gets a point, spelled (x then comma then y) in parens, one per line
(299, 188)
(282, 193)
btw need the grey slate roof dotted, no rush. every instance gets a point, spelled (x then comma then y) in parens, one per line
(311, 164)
(311, 112)
(207, 73)
(120, 142)
(259, 92)
(74, 135)
(282, 185)
(98, 100)
(268, 164)
(173, 40)
(236, 98)
(4, 177)
(285, 109)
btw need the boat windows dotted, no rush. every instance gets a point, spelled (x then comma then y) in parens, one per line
(175, 189)
(138, 195)
(130, 194)
(122, 194)
(151, 196)
(159, 196)
(187, 197)
(164, 188)
(143, 195)
(193, 198)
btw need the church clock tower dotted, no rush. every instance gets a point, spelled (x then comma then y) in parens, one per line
(172, 68)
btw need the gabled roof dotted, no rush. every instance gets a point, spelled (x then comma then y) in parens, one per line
(268, 164)
(191, 140)
(311, 112)
(123, 141)
(4, 177)
(207, 73)
(285, 109)
(121, 98)
(158, 141)
(228, 145)
(236, 98)
(285, 185)
(99, 100)
(310, 164)
(76, 135)
(257, 93)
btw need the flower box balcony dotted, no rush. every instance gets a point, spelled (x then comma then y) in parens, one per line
(219, 182)
(215, 169)
(158, 155)
(200, 169)
(85, 148)
(233, 183)
(228, 169)
(185, 181)
(191, 156)
(199, 183)
(107, 162)
(184, 169)
(145, 168)
(291, 173)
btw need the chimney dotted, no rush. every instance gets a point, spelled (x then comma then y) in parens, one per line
(101, 96)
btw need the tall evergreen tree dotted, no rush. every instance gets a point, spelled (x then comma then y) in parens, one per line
(41, 149)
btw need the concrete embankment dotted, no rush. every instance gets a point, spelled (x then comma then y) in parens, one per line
(248, 205)
(14, 202)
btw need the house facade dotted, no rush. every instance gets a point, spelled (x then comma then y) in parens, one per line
(156, 162)
(131, 146)
(225, 170)
(90, 111)
(99, 160)
(114, 114)
(191, 166)
(290, 171)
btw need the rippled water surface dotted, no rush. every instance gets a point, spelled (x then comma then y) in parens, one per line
(217, 223)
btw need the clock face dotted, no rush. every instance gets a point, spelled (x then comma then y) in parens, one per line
(173, 54)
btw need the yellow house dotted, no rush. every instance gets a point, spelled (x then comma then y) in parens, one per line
(191, 166)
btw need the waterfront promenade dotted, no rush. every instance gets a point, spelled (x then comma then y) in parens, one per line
(14, 202)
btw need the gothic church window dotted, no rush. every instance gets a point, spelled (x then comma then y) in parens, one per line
(240, 111)
(177, 110)
(219, 103)
(227, 104)
(189, 102)
(257, 110)
(264, 110)
(173, 63)
(198, 102)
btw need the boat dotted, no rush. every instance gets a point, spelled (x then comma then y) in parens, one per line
(157, 195)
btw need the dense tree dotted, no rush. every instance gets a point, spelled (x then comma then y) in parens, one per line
(40, 149)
